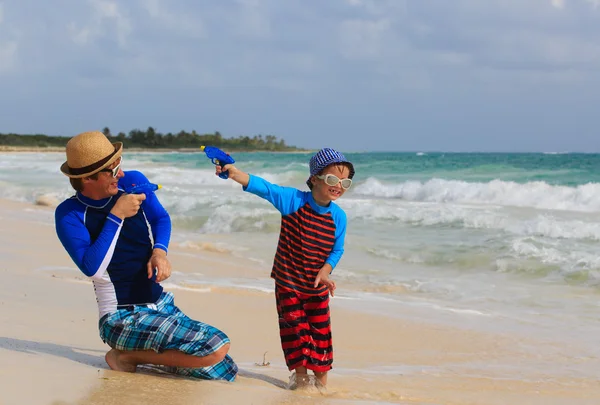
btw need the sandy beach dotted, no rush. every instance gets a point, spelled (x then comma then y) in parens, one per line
(51, 352)
(8, 148)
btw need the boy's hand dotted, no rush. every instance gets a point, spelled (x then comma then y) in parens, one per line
(323, 278)
(235, 174)
(232, 170)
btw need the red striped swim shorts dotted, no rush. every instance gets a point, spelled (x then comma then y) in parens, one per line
(305, 329)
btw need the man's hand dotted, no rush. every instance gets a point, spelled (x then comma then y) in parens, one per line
(128, 205)
(160, 262)
(323, 278)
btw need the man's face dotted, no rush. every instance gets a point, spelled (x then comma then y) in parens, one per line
(322, 192)
(106, 185)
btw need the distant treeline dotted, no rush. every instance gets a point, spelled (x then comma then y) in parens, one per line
(150, 139)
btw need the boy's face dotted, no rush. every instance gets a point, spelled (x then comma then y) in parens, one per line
(322, 192)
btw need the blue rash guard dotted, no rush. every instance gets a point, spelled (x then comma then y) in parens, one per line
(115, 252)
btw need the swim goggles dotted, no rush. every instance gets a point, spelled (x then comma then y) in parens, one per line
(333, 180)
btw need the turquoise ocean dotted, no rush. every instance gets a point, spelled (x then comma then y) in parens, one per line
(502, 242)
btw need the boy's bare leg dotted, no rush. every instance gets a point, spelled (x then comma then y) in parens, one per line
(321, 377)
(128, 360)
(302, 379)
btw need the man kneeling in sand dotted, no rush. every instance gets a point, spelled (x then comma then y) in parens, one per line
(120, 241)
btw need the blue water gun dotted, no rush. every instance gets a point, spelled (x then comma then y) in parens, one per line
(141, 188)
(219, 158)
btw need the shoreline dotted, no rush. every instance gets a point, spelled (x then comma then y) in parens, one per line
(56, 149)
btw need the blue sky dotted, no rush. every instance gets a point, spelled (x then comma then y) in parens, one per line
(450, 75)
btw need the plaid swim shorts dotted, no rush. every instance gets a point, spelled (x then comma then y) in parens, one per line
(163, 327)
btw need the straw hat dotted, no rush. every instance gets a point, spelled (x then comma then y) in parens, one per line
(88, 153)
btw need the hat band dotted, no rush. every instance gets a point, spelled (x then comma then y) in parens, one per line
(92, 167)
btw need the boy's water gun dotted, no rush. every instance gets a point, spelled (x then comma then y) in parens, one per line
(141, 188)
(219, 158)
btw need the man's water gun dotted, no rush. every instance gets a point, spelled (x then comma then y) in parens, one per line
(141, 188)
(219, 158)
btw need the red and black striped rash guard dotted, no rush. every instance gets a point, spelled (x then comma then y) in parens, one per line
(310, 236)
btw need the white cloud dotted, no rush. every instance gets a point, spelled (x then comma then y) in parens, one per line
(8, 56)
(175, 22)
(595, 3)
(561, 3)
(8, 47)
(107, 20)
(390, 8)
(80, 36)
(252, 19)
(285, 45)
(363, 39)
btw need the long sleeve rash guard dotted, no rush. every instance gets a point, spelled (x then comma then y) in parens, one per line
(310, 236)
(115, 252)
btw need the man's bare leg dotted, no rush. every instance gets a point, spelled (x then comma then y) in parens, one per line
(128, 360)
(115, 362)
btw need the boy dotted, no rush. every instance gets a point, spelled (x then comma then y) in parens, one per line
(311, 242)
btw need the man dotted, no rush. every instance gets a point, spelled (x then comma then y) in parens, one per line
(120, 241)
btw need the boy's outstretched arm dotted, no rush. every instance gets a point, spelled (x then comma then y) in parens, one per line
(235, 174)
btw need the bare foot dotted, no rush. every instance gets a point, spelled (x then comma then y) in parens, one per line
(320, 386)
(303, 380)
(115, 362)
(299, 381)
